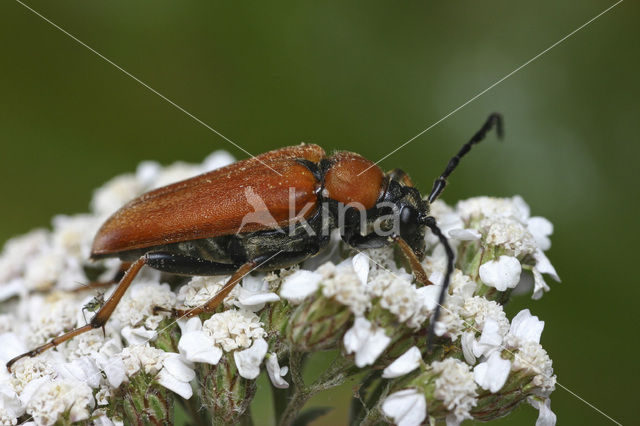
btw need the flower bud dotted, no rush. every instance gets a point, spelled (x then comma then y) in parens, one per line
(141, 401)
(317, 324)
(224, 393)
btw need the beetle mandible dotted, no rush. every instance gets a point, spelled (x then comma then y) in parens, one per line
(196, 226)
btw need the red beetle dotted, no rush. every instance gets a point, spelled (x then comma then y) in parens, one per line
(267, 213)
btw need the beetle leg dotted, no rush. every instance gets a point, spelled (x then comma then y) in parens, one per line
(98, 321)
(494, 120)
(430, 221)
(216, 300)
(124, 266)
(416, 266)
(181, 264)
(94, 284)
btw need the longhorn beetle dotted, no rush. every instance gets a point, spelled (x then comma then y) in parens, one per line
(198, 226)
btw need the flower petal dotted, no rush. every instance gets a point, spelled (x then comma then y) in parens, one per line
(297, 286)
(539, 285)
(407, 407)
(540, 229)
(166, 379)
(197, 346)
(544, 265)
(405, 363)
(467, 340)
(546, 417)
(490, 339)
(492, 374)
(248, 361)
(174, 365)
(367, 341)
(464, 234)
(138, 335)
(502, 274)
(275, 372)
(526, 327)
(361, 265)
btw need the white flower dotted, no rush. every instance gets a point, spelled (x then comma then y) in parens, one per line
(217, 159)
(44, 270)
(73, 235)
(176, 375)
(196, 345)
(540, 228)
(138, 335)
(109, 359)
(501, 274)
(29, 370)
(18, 252)
(360, 263)
(254, 293)
(465, 234)
(478, 207)
(525, 328)
(114, 194)
(10, 346)
(55, 397)
(366, 340)
(455, 386)
(490, 339)
(300, 285)
(493, 373)
(49, 315)
(542, 266)
(248, 361)
(176, 172)
(199, 290)
(400, 297)
(467, 339)
(80, 369)
(532, 358)
(480, 310)
(405, 363)
(142, 357)
(546, 417)
(99, 418)
(10, 405)
(509, 234)
(136, 307)
(407, 407)
(345, 286)
(233, 329)
(276, 373)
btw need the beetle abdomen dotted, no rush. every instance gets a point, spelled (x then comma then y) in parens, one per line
(246, 196)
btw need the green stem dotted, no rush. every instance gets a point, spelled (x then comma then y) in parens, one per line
(192, 406)
(339, 370)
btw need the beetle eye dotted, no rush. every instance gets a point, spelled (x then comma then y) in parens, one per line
(408, 221)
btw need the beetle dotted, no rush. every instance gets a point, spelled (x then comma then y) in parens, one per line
(199, 226)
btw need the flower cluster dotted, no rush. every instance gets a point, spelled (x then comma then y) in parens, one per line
(365, 305)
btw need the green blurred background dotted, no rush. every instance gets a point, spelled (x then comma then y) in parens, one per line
(362, 76)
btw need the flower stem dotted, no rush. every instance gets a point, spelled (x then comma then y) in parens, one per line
(339, 370)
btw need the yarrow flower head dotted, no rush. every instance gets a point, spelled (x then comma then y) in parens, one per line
(364, 305)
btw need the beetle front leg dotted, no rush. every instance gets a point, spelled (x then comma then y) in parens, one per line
(98, 321)
(416, 266)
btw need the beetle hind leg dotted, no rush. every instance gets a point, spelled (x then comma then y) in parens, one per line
(99, 319)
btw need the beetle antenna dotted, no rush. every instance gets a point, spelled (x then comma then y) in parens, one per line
(430, 221)
(494, 120)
